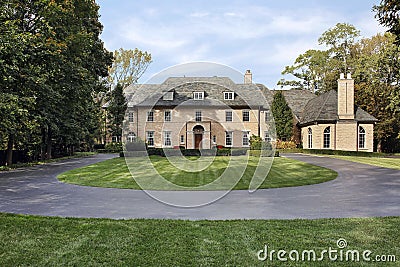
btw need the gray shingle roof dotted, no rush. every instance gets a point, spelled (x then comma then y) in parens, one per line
(297, 100)
(324, 108)
(183, 87)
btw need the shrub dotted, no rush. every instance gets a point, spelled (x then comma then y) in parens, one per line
(285, 145)
(343, 153)
(113, 147)
(99, 146)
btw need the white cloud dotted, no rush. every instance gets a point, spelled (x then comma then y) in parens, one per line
(262, 36)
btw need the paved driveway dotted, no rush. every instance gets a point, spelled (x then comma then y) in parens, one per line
(359, 191)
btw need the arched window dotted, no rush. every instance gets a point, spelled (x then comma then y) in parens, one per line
(131, 137)
(361, 137)
(327, 137)
(309, 138)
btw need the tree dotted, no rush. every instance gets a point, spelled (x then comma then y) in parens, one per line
(51, 52)
(128, 66)
(116, 111)
(317, 70)
(340, 40)
(388, 14)
(283, 117)
(377, 87)
(310, 69)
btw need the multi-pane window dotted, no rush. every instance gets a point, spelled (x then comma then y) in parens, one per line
(115, 139)
(167, 138)
(327, 137)
(266, 116)
(361, 137)
(131, 117)
(198, 116)
(228, 138)
(246, 115)
(229, 95)
(150, 138)
(228, 115)
(267, 137)
(167, 115)
(245, 139)
(131, 137)
(150, 115)
(198, 95)
(182, 139)
(309, 138)
(214, 139)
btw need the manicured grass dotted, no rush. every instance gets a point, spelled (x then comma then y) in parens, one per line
(44, 241)
(114, 173)
(392, 163)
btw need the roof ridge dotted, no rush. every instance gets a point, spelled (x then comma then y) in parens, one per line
(323, 105)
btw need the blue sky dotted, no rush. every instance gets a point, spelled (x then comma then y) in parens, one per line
(263, 36)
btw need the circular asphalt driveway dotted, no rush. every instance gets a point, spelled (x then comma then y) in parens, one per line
(359, 191)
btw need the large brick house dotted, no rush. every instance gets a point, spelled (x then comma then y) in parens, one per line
(203, 112)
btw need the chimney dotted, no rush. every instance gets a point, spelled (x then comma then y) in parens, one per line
(248, 77)
(346, 97)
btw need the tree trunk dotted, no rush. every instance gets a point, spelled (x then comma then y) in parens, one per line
(379, 146)
(48, 144)
(43, 145)
(10, 146)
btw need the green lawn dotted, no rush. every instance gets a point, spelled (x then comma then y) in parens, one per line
(391, 163)
(114, 173)
(44, 241)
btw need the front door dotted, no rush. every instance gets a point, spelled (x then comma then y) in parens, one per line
(197, 140)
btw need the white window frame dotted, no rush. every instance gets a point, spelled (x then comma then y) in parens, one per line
(167, 139)
(228, 116)
(246, 138)
(310, 137)
(150, 116)
(229, 95)
(214, 139)
(361, 137)
(229, 134)
(167, 118)
(150, 136)
(131, 117)
(198, 95)
(198, 115)
(131, 137)
(267, 137)
(182, 139)
(243, 117)
(327, 138)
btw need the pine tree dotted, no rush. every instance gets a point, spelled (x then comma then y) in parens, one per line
(116, 111)
(283, 117)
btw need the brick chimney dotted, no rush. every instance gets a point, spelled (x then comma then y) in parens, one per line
(248, 77)
(346, 97)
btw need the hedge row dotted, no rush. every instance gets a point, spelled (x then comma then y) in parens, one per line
(343, 153)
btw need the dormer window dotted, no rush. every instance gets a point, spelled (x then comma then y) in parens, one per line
(198, 95)
(229, 95)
